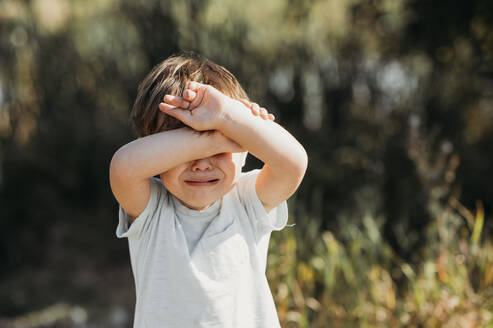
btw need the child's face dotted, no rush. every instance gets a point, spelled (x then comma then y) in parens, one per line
(198, 184)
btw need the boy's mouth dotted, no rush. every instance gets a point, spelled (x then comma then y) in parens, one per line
(202, 182)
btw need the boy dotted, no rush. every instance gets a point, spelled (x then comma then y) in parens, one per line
(198, 235)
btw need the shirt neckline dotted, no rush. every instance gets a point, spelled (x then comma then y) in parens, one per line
(208, 213)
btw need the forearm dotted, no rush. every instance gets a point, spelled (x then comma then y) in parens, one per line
(285, 160)
(266, 140)
(157, 153)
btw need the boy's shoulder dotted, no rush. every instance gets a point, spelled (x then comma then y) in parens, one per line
(247, 181)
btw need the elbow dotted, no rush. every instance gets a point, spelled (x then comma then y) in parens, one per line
(297, 170)
(119, 167)
(301, 165)
(304, 158)
(117, 162)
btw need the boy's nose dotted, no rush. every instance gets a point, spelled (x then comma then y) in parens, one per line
(202, 164)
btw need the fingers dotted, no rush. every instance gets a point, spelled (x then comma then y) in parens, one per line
(176, 101)
(245, 102)
(198, 90)
(189, 95)
(180, 114)
(198, 95)
(263, 113)
(193, 95)
(255, 109)
(182, 102)
(165, 107)
(195, 86)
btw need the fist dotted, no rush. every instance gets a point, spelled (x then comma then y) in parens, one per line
(202, 107)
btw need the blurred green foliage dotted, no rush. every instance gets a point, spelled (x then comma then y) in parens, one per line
(359, 281)
(393, 100)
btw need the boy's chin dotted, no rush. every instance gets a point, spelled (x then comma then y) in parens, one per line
(204, 200)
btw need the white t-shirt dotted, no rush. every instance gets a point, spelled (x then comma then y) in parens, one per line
(221, 281)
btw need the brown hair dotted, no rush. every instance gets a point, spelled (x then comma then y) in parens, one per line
(171, 77)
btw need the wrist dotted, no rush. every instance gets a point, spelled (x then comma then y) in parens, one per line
(230, 108)
(201, 143)
(211, 143)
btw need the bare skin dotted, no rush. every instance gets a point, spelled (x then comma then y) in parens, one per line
(161, 153)
(284, 158)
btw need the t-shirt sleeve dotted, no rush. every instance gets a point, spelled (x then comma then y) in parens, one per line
(263, 222)
(144, 220)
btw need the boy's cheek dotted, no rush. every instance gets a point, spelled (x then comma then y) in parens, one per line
(170, 177)
(166, 182)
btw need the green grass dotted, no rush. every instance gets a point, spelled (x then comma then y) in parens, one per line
(321, 281)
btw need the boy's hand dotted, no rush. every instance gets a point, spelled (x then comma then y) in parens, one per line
(285, 160)
(202, 107)
(257, 110)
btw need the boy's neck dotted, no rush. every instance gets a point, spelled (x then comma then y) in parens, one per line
(195, 208)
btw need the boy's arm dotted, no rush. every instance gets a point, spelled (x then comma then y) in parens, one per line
(284, 158)
(134, 163)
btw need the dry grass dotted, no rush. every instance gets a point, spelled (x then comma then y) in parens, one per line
(361, 283)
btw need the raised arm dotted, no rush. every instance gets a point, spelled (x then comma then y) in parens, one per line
(284, 157)
(285, 160)
(134, 163)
